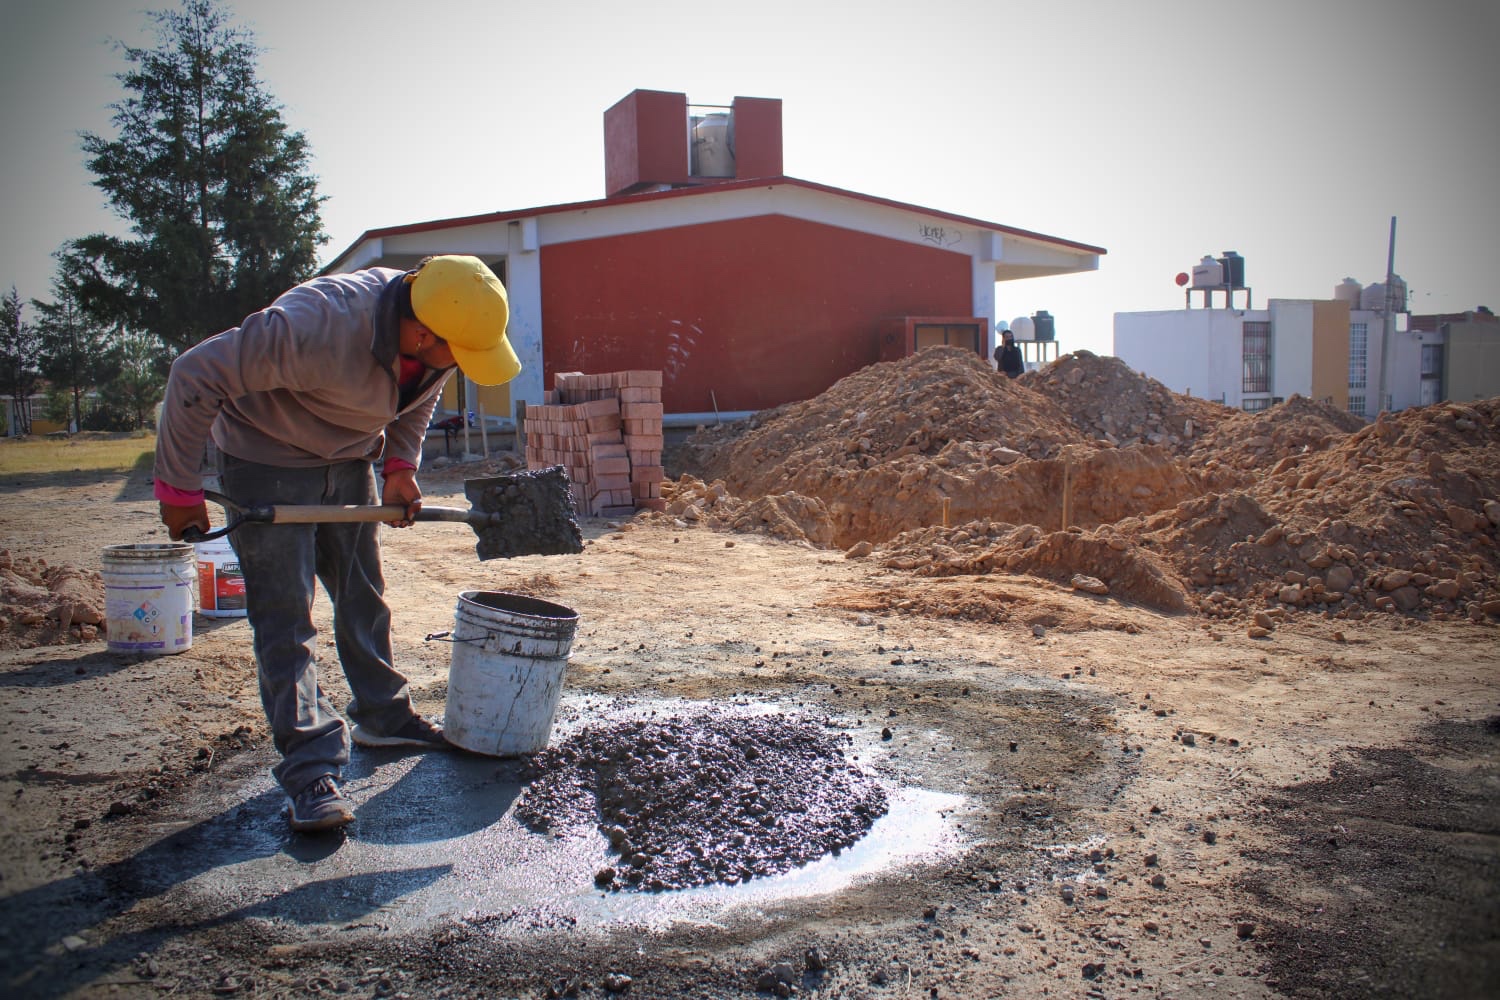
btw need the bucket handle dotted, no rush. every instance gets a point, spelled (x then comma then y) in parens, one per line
(443, 636)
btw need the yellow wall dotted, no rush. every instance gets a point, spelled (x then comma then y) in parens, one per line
(494, 398)
(41, 425)
(1330, 352)
(1471, 361)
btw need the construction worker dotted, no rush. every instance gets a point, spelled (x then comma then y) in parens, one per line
(1008, 355)
(303, 399)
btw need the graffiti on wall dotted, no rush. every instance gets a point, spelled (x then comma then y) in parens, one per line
(943, 236)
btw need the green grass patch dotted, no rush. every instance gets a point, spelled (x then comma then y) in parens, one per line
(87, 456)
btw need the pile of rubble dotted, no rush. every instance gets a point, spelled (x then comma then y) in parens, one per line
(704, 798)
(45, 605)
(1086, 471)
(1106, 399)
(788, 516)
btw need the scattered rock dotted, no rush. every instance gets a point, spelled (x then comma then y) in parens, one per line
(1088, 584)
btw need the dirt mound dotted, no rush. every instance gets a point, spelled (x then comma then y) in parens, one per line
(885, 412)
(940, 467)
(1255, 441)
(43, 605)
(934, 438)
(1105, 398)
(788, 516)
(1120, 568)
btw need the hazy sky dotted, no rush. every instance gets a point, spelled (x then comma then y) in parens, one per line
(1287, 130)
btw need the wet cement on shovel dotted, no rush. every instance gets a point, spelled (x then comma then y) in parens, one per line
(701, 799)
(540, 518)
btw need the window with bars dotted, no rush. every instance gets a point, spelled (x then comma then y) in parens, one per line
(1357, 405)
(1359, 358)
(1256, 404)
(1256, 338)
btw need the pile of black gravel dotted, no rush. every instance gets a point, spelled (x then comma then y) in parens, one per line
(712, 798)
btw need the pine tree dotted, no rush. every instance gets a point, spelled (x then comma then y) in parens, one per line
(73, 349)
(19, 374)
(214, 185)
(136, 382)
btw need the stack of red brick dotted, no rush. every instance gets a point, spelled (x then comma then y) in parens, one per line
(605, 430)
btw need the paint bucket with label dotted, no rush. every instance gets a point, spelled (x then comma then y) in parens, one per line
(148, 597)
(505, 679)
(221, 588)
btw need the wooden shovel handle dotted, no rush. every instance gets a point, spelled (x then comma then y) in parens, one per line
(312, 514)
(329, 514)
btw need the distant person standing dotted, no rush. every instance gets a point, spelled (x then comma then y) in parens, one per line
(1008, 355)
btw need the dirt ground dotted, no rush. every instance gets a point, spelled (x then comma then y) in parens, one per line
(1153, 802)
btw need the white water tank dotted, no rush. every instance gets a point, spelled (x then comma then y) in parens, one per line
(712, 152)
(1023, 328)
(1208, 273)
(1348, 291)
(1373, 298)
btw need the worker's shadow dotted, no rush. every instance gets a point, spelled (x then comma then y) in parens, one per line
(442, 796)
(58, 937)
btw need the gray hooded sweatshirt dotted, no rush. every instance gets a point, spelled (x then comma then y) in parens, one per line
(309, 380)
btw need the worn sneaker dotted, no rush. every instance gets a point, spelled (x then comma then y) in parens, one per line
(320, 806)
(417, 732)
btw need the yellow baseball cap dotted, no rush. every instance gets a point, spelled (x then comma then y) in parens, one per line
(460, 299)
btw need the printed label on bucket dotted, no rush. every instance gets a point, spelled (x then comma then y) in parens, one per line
(221, 586)
(134, 624)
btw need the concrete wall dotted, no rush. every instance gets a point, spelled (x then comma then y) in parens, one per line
(1197, 351)
(1292, 345)
(1404, 385)
(1472, 361)
(1330, 352)
(1202, 350)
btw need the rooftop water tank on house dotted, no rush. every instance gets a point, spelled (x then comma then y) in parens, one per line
(712, 148)
(1373, 298)
(1234, 269)
(1208, 273)
(1044, 327)
(1348, 291)
(1023, 328)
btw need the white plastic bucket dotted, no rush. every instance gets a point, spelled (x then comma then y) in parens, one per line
(505, 679)
(221, 587)
(148, 597)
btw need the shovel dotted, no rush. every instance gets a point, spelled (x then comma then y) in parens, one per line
(519, 514)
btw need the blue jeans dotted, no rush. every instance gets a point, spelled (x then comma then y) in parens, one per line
(282, 564)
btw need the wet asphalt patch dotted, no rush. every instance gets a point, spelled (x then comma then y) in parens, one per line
(436, 840)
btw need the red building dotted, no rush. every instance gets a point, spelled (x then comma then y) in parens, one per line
(745, 287)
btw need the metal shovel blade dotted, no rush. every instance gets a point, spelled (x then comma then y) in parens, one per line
(531, 514)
